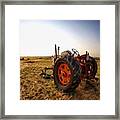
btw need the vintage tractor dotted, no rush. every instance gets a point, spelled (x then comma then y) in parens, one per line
(70, 68)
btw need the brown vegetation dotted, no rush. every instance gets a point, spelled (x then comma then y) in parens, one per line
(34, 87)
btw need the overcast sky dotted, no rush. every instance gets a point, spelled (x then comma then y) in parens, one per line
(38, 37)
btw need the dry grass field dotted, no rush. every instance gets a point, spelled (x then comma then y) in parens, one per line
(34, 87)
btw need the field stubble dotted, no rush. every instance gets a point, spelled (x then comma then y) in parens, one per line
(34, 87)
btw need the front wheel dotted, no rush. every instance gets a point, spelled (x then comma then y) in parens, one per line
(67, 74)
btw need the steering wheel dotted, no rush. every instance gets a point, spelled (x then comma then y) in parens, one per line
(75, 51)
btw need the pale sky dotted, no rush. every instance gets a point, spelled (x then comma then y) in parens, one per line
(38, 37)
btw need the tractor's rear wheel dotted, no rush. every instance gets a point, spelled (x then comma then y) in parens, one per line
(90, 69)
(67, 74)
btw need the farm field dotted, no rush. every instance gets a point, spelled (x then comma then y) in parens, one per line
(35, 87)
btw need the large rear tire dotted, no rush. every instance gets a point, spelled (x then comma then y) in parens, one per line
(90, 67)
(67, 73)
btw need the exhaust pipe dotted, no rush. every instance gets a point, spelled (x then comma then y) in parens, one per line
(58, 50)
(55, 53)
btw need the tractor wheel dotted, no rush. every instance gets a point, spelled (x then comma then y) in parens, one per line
(91, 68)
(67, 74)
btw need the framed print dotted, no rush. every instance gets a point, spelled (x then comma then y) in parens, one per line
(59, 59)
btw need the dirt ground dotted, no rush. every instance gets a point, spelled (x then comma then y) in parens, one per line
(35, 87)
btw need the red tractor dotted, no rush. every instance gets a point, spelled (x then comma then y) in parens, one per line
(70, 68)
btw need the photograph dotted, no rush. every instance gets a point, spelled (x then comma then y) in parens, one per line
(59, 59)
